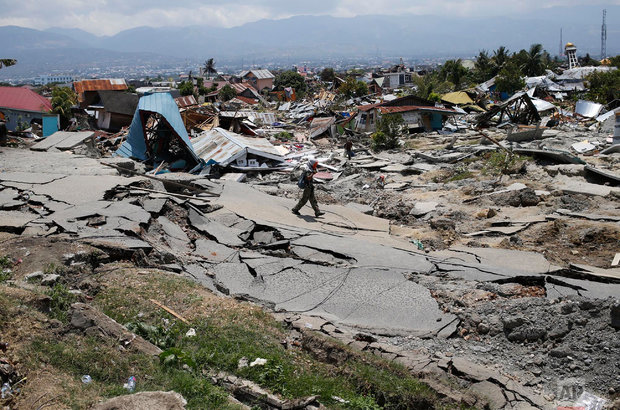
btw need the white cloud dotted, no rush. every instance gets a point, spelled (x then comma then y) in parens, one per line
(111, 16)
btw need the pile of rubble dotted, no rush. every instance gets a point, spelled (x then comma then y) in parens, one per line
(482, 250)
(437, 289)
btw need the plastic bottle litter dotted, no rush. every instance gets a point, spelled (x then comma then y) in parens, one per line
(417, 243)
(131, 384)
(6, 390)
(589, 401)
(86, 379)
(258, 362)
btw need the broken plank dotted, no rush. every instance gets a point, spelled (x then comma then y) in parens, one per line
(172, 312)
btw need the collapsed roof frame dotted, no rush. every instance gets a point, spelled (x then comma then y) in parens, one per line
(164, 109)
(519, 109)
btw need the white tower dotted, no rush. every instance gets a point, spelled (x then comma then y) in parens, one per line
(571, 54)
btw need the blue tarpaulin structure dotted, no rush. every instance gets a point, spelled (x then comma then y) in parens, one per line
(158, 103)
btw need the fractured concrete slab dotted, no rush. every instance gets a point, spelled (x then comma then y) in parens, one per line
(225, 235)
(214, 252)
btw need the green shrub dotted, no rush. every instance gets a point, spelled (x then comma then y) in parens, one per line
(5, 265)
(284, 136)
(61, 300)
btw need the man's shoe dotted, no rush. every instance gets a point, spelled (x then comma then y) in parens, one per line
(295, 212)
(317, 214)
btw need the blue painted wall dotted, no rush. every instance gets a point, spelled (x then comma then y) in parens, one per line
(50, 124)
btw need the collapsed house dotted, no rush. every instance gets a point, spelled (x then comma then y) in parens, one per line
(518, 109)
(419, 114)
(228, 149)
(114, 109)
(157, 134)
(21, 107)
(87, 90)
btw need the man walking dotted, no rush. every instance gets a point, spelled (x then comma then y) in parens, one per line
(306, 182)
(348, 148)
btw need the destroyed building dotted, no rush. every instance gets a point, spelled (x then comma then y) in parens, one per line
(480, 253)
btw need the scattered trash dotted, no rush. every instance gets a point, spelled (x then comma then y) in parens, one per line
(243, 362)
(86, 379)
(308, 325)
(130, 386)
(588, 401)
(6, 390)
(583, 146)
(258, 362)
(417, 243)
(340, 400)
(191, 332)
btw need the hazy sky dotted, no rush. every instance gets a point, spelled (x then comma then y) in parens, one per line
(111, 16)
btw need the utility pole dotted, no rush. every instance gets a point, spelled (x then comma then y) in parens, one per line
(561, 52)
(604, 36)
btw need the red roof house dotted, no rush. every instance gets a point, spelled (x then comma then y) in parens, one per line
(20, 106)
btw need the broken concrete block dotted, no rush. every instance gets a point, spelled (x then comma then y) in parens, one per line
(365, 209)
(49, 279)
(492, 392)
(422, 208)
(84, 317)
(144, 400)
(34, 275)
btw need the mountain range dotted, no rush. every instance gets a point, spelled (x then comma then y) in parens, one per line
(309, 38)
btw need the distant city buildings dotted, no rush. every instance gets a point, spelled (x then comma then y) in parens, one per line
(48, 79)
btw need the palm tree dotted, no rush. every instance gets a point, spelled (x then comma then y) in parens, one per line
(454, 72)
(6, 62)
(534, 64)
(500, 57)
(483, 67)
(209, 67)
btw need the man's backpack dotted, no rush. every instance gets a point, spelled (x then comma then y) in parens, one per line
(302, 181)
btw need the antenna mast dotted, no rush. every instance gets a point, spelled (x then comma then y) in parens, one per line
(604, 36)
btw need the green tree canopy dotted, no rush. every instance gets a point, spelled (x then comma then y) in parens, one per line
(290, 79)
(534, 64)
(389, 129)
(186, 88)
(500, 57)
(430, 83)
(509, 78)
(63, 98)
(227, 93)
(589, 61)
(353, 88)
(483, 69)
(209, 67)
(604, 87)
(328, 75)
(453, 71)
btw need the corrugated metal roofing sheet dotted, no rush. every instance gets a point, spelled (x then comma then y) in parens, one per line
(161, 103)
(246, 100)
(21, 98)
(186, 101)
(264, 117)
(224, 147)
(367, 107)
(406, 108)
(103, 84)
(588, 109)
(260, 74)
